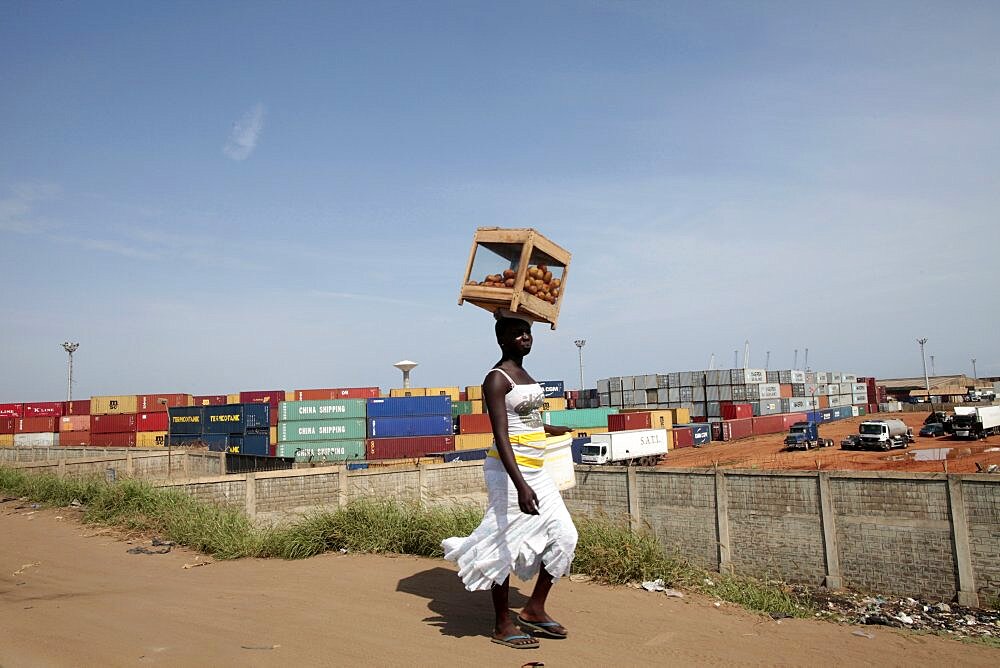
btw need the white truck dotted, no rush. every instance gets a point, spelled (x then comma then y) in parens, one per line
(978, 422)
(884, 434)
(640, 447)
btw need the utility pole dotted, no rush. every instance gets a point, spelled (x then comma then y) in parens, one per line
(767, 361)
(975, 376)
(70, 348)
(795, 364)
(580, 343)
(736, 359)
(933, 373)
(923, 358)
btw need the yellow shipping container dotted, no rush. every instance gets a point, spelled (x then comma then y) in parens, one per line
(681, 415)
(408, 392)
(7, 440)
(661, 419)
(588, 431)
(477, 406)
(274, 436)
(290, 395)
(150, 439)
(113, 405)
(554, 404)
(452, 392)
(233, 398)
(473, 441)
(474, 392)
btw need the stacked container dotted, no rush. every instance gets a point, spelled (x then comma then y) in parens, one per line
(327, 429)
(270, 397)
(400, 427)
(242, 428)
(36, 431)
(335, 393)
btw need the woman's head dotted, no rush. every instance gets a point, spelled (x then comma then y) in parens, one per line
(514, 335)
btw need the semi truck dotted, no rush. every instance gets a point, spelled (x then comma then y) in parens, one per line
(884, 434)
(805, 435)
(637, 447)
(976, 422)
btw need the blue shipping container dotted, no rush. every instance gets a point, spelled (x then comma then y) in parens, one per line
(701, 432)
(251, 443)
(576, 447)
(185, 420)
(553, 388)
(236, 418)
(184, 439)
(416, 425)
(408, 406)
(465, 455)
(215, 442)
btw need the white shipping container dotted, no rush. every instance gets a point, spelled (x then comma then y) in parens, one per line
(859, 388)
(725, 393)
(798, 377)
(854, 411)
(891, 407)
(848, 378)
(846, 388)
(36, 440)
(837, 400)
(603, 386)
(822, 377)
(833, 389)
(859, 398)
(754, 376)
(713, 392)
(770, 390)
(836, 377)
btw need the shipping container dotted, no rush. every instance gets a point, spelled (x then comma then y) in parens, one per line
(822, 378)
(474, 424)
(74, 438)
(402, 448)
(736, 411)
(733, 430)
(210, 400)
(473, 441)
(412, 425)
(151, 403)
(328, 409)
(768, 424)
(36, 424)
(73, 423)
(658, 418)
(270, 397)
(407, 392)
(461, 408)
(235, 419)
(474, 392)
(151, 439)
(406, 406)
(769, 407)
(7, 425)
(152, 422)
(450, 392)
(628, 421)
(250, 443)
(773, 377)
(186, 420)
(682, 414)
(113, 404)
(477, 406)
(858, 399)
(553, 388)
(683, 437)
(579, 418)
(77, 407)
(43, 409)
(11, 410)
(36, 439)
(107, 424)
(233, 398)
(124, 439)
(323, 451)
(322, 430)
(272, 436)
(554, 404)
(7, 440)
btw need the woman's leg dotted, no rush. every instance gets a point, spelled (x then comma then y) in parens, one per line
(534, 609)
(504, 627)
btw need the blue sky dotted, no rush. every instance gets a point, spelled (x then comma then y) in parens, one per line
(250, 196)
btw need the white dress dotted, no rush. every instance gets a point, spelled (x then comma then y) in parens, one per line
(509, 541)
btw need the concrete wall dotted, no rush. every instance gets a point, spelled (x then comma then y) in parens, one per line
(146, 463)
(927, 534)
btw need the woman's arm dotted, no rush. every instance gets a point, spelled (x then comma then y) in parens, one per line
(553, 430)
(495, 389)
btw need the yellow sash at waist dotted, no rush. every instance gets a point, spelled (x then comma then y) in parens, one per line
(534, 440)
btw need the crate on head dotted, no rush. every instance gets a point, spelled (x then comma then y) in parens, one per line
(518, 270)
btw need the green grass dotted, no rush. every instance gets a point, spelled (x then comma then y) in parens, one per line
(609, 550)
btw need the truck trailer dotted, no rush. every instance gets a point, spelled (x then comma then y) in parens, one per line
(977, 422)
(884, 434)
(641, 447)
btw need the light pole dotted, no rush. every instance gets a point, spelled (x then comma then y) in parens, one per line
(975, 376)
(580, 343)
(933, 373)
(170, 451)
(923, 358)
(70, 348)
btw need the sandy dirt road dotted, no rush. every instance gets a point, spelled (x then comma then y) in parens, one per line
(79, 599)
(926, 455)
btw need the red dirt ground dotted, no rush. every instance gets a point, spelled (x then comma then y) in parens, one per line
(767, 452)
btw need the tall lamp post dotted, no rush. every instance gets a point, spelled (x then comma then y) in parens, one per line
(580, 343)
(927, 382)
(70, 348)
(975, 376)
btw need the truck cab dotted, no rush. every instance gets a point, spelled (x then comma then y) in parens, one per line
(884, 434)
(805, 435)
(594, 453)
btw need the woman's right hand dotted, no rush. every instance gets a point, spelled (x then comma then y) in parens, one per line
(527, 500)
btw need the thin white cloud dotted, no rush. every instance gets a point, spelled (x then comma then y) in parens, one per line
(245, 134)
(17, 210)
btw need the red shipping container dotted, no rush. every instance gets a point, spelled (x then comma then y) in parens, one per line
(733, 430)
(122, 439)
(68, 423)
(10, 410)
(731, 411)
(628, 421)
(872, 409)
(210, 400)
(109, 424)
(272, 450)
(792, 418)
(76, 407)
(336, 393)
(270, 397)
(151, 422)
(683, 437)
(402, 448)
(824, 401)
(463, 396)
(701, 419)
(36, 425)
(785, 391)
(476, 423)
(150, 403)
(7, 425)
(43, 409)
(74, 438)
(768, 424)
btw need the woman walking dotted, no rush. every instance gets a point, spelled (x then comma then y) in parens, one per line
(526, 529)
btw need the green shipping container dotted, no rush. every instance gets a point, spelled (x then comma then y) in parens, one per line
(321, 430)
(323, 451)
(862, 410)
(332, 409)
(579, 418)
(461, 408)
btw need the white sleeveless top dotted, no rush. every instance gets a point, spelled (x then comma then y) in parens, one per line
(524, 423)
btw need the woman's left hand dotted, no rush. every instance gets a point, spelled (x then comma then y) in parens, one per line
(553, 430)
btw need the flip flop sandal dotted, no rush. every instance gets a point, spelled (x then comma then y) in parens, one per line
(508, 641)
(543, 629)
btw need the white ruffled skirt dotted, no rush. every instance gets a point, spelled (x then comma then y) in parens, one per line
(509, 541)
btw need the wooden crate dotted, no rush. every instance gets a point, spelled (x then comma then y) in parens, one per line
(519, 253)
